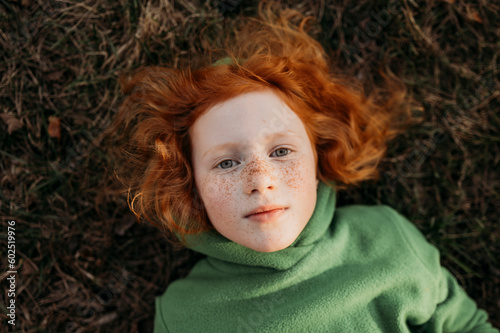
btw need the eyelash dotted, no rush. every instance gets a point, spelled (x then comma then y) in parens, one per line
(288, 149)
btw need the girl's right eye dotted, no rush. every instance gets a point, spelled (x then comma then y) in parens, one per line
(225, 163)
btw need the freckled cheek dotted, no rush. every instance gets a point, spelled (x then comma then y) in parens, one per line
(217, 195)
(298, 174)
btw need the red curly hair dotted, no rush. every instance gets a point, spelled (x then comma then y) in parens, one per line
(349, 129)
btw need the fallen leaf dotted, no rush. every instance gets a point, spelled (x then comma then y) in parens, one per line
(54, 127)
(13, 124)
(473, 15)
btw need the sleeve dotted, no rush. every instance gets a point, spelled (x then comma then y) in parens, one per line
(159, 323)
(455, 311)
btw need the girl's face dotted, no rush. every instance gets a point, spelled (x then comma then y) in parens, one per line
(250, 152)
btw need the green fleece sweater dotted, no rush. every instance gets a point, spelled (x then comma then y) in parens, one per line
(352, 269)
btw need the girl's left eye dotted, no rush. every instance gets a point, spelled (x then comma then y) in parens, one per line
(281, 152)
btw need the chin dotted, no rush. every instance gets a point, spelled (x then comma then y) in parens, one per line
(271, 247)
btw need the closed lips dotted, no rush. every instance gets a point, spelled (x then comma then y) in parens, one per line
(265, 209)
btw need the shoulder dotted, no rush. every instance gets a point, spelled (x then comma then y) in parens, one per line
(376, 219)
(379, 220)
(381, 228)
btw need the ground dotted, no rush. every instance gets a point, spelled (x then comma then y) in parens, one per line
(84, 264)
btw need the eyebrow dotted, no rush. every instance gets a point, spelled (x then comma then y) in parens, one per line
(232, 144)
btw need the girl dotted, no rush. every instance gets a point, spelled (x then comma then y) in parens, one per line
(241, 160)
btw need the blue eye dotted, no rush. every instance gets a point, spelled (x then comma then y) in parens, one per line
(227, 164)
(283, 150)
(225, 161)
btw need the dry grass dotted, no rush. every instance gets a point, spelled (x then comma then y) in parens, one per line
(85, 265)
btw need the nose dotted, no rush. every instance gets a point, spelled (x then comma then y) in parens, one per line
(260, 177)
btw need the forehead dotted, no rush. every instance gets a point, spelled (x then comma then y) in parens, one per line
(250, 116)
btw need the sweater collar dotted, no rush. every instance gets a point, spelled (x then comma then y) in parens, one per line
(218, 247)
